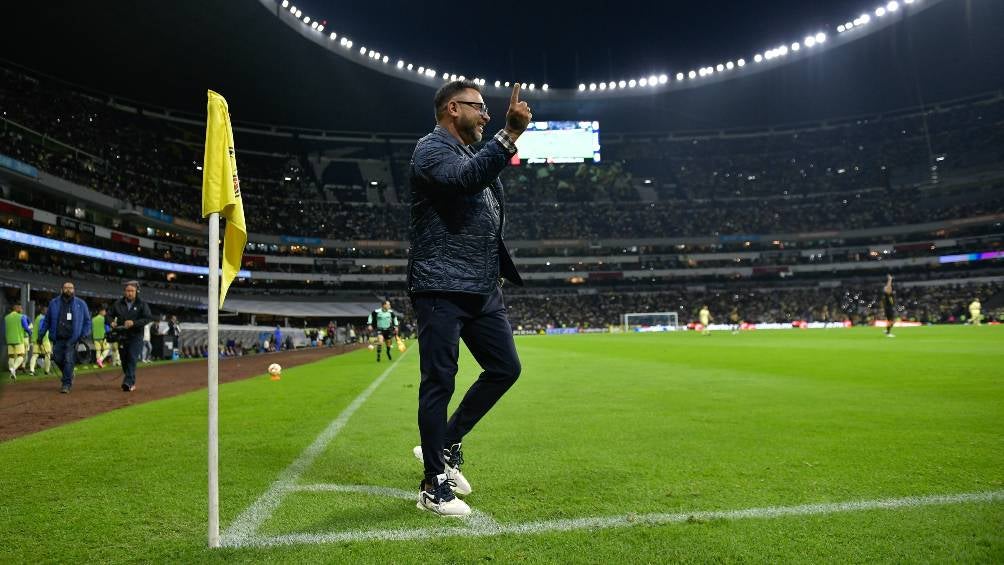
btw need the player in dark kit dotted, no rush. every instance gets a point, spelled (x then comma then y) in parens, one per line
(889, 306)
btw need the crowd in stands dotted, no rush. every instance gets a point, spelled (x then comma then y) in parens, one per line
(669, 219)
(853, 174)
(866, 172)
(582, 182)
(837, 156)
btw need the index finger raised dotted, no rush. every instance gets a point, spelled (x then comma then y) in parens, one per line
(515, 95)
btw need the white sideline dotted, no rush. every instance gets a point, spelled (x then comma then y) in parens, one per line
(475, 526)
(245, 525)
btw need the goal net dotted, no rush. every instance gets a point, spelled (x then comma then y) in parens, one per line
(650, 322)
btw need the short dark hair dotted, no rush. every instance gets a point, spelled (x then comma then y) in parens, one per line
(448, 91)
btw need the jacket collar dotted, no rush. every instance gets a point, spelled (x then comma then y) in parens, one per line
(448, 137)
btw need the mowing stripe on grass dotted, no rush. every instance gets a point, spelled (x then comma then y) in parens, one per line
(390, 492)
(477, 526)
(245, 525)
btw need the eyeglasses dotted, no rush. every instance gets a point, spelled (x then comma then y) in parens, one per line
(481, 107)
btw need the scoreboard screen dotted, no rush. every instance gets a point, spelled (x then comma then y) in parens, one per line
(559, 142)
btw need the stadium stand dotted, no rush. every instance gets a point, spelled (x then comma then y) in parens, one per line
(780, 220)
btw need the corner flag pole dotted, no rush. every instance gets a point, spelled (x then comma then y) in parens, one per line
(221, 194)
(214, 378)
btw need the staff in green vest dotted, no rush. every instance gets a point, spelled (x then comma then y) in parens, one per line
(43, 347)
(17, 330)
(98, 329)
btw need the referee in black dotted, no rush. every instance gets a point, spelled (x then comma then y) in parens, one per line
(456, 264)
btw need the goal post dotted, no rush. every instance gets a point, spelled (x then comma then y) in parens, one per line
(650, 321)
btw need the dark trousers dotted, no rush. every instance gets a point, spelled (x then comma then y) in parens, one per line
(64, 355)
(129, 351)
(443, 320)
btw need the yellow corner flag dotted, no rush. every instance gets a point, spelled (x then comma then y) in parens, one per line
(221, 191)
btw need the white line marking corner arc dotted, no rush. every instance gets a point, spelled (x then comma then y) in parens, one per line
(247, 523)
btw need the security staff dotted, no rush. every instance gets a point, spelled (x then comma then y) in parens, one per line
(67, 321)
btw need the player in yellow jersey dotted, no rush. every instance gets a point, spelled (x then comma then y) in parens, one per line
(976, 312)
(705, 316)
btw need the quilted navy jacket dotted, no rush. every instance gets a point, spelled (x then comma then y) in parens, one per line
(457, 217)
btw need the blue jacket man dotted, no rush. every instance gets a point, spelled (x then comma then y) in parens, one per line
(67, 321)
(456, 263)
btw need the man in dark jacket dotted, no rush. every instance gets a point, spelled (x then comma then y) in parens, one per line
(67, 321)
(456, 263)
(129, 314)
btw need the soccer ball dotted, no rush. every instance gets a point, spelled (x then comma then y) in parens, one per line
(370, 346)
(274, 369)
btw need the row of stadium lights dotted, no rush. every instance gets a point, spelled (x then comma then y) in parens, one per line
(808, 42)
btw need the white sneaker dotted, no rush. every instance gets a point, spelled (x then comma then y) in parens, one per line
(454, 458)
(440, 499)
(890, 335)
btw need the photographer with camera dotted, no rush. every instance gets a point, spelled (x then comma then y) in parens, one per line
(129, 314)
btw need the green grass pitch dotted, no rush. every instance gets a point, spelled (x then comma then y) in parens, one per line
(598, 426)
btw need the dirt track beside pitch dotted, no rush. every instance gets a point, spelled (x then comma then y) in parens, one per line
(34, 405)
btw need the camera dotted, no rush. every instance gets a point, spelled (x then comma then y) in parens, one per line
(116, 335)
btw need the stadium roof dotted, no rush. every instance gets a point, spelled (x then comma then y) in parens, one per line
(168, 53)
(606, 51)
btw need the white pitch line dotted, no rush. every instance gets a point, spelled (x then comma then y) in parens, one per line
(474, 528)
(245, 526)
(476, 520)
